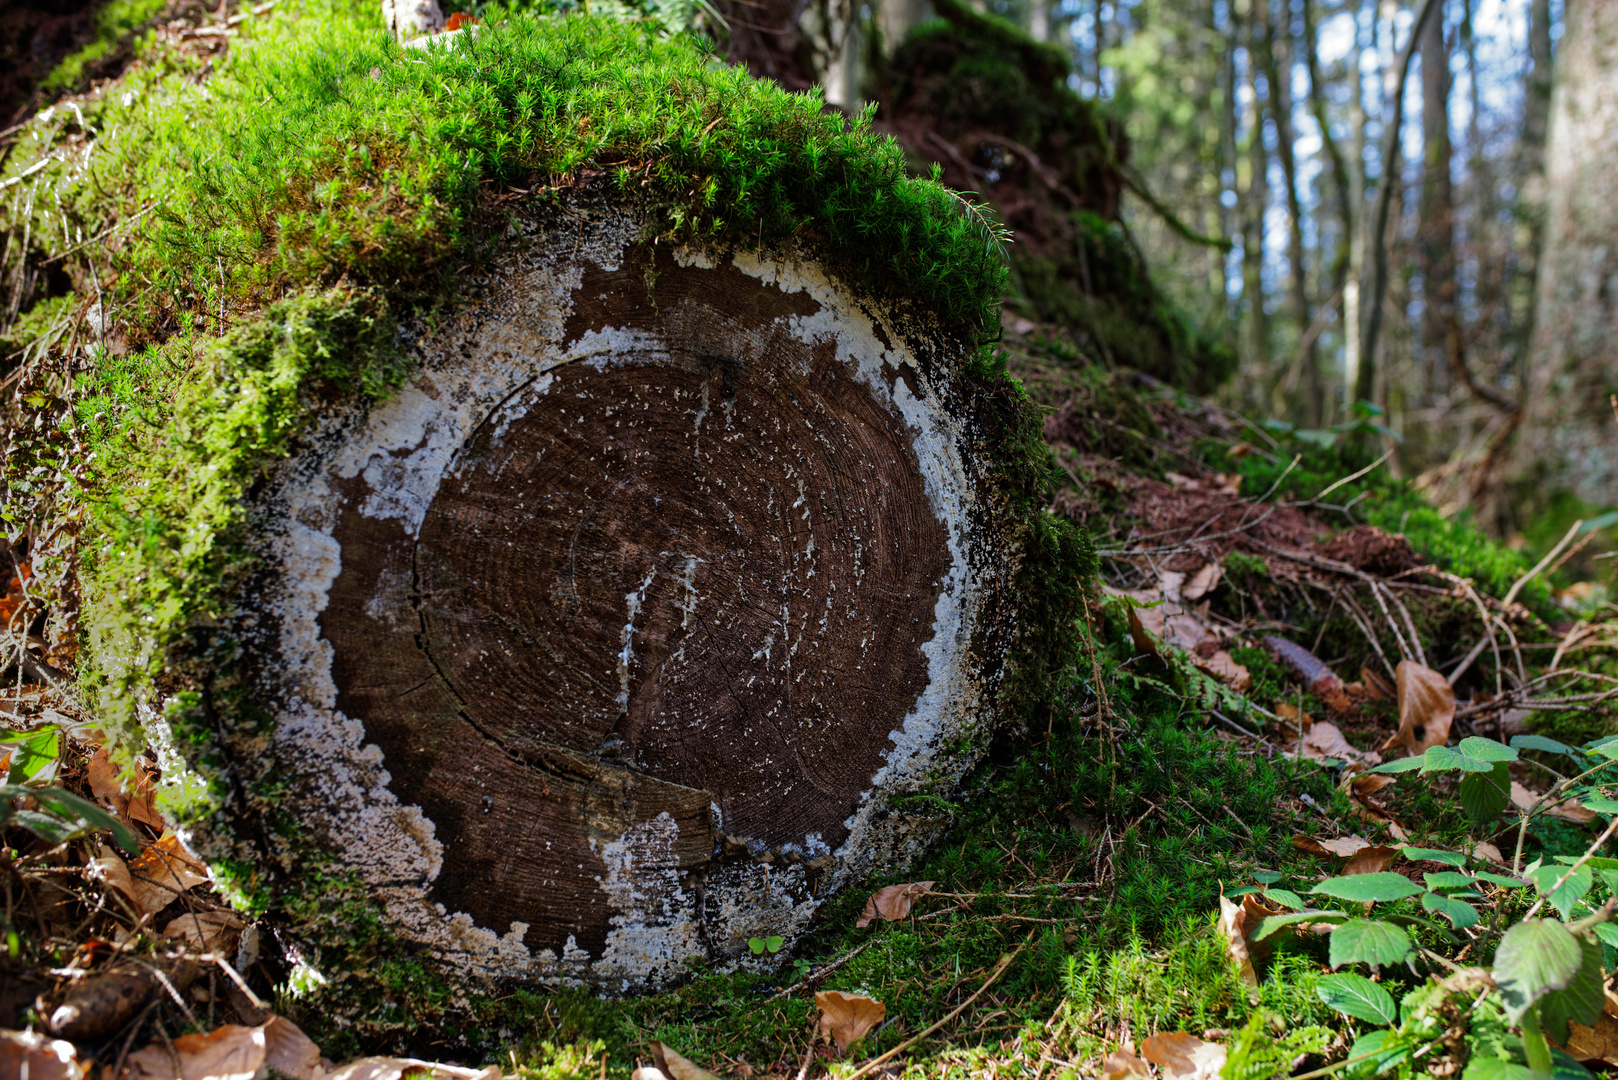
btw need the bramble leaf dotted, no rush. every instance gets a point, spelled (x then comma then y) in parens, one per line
(1368, 941)
(1458, 912)
(1485, 794)
(1366, 888)
(1535, 957)
(1359, 997)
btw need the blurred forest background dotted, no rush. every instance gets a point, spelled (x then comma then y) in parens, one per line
(1393, 212)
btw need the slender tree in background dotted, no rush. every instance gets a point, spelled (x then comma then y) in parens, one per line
(1440, 333)
(1568, 440)
(1255, 199)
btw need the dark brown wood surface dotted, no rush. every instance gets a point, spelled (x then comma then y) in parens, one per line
(691, 580)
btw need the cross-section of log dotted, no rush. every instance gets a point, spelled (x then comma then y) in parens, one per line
(606, 641)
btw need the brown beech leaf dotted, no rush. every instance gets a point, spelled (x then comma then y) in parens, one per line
(1231, 920)
(675, 1065)
(1202, 582)
(111, 869)
(1370, 860)
(207, 931)
(1363, 784)
(1321, 740)
(845, 1018)
(1598, 1043)
(389, 1068)
(1345, 847)
(28, 1055)
(1487, 852)
(1375, 685)
(1572, 810)
(233, 1052)
(1426, 709)
(892, 903)
(1184, 1057)
(1121, 1064)
(1224, 668)
(162, 872)
(136, 808)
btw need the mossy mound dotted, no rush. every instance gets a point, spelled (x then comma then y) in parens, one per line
(993, 109)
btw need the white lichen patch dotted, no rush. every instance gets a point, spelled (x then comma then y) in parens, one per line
(480, 372)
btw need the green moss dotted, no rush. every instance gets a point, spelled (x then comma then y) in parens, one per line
(116, 25)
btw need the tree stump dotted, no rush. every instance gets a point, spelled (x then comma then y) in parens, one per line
(621, 632)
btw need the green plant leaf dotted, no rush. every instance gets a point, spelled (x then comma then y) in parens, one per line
(756, 945)
(1581, 1000)
(1572, 890)
(1448, 879)
(1366, 888)
(1386, 1048)
(1607, 933)
(70, 805)
(1280, 922)
(1266, 877)
(1501, 880)
(1448, 858)
(1359, 997)
(1368, 941)
(1458, 912)
(1285, 897)
(1495, 1068)
(774, 942)
(1484, 795)
(33, 754)
(1490, 750)
(1601, 806)
(1398, 765)
(1540, 742)
(1535, 957)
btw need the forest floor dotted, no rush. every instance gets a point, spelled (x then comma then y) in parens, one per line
(1274, 617)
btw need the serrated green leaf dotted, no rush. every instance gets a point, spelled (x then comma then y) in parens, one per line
(1359, 997)
(1273, 923)
(1608, 933)
(1571, 891)
(1580, 1000)
(1488, 750)
(1501, 880)
(1286, 897)
(1600, 806)
(1535, 957)
(1540, 742)
(1449, 759)
(1448, 858)
(1381, 1050)
(1485, 794)
(1368, 941)
(1266, 877)
(1458, 912)
(33, 754)
(1397, 765)
(43, 826)
(1366, 888)
(1448, 879)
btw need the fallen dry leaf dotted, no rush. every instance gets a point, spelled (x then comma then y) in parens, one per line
(207, 931)
(112, 869)
(389, 1068)
(1202, 582)
(1572, 810)
(1600, 1042)
(162, 872)
(1238, 922)
(892, 903)
(1322, 740)
(845, 1018)
(107, 783)
(1184, 1057)
(1122, 1063)
(1363, 784)
(673, 1064)
(1169, 622)
(1345, 847)
(648, 1072)
(1222, 666)
(1231, 926)
(234, 1052)
(1370, 860)
(28, 1055)
(1426, 709)
(1488, 852)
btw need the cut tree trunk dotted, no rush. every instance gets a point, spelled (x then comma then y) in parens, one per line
(611, 638)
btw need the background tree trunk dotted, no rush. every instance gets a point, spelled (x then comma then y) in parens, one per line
(1568, 440)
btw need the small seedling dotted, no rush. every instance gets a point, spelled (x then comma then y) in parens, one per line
(771, 944)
